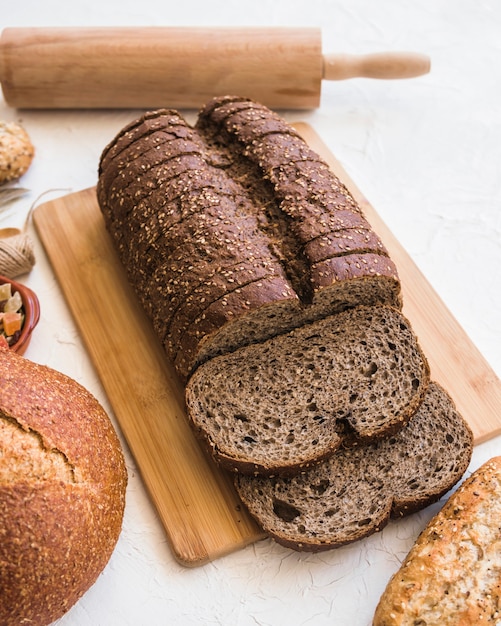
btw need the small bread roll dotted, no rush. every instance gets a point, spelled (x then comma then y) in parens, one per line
(16, 151)
(62, 491)
(452, 575)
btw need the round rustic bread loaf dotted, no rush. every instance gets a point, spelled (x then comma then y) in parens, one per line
(62, 491)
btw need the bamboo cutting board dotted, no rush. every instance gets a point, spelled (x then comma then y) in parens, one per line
(196, 502)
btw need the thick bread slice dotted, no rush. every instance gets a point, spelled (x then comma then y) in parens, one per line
(355, 492)
(342, 242)
(286, 403)
(337, 269)
(452, 575)
(337, 284)
(246, 315)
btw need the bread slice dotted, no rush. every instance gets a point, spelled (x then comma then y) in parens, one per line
(342, 242)
(452, 575)
(355, 492)
(284, 404)
(247, 315)
(339, 283)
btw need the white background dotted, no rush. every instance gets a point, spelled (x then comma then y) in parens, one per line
(426, 153)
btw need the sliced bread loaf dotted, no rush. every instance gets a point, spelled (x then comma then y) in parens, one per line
(170, 195)
(356, 491)
(284, 404)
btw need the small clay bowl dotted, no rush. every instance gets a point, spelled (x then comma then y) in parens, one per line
(31, 308)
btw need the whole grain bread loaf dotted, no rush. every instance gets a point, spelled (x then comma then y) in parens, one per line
(357, 490)
(62, 491)
(280, 308)
(279, 406)
(186, 205)
(451, 576)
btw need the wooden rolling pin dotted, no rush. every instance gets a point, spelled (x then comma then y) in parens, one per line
(150, 67)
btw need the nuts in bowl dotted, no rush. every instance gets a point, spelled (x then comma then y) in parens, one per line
(19, 314)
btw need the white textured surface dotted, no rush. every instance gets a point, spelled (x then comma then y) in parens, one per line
(426, 153)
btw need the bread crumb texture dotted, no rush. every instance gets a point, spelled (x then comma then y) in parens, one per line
(62, 491)
(16, 151)
(452, 575)
(288, 402)
(357, 490)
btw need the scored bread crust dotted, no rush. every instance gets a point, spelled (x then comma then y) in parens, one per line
(62, 491)
(452, 574)
(355, 492)
(151, 191)
(149, 122)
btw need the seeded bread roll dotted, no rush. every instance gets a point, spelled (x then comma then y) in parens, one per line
(356, 491)
(239, 189)
(62, 491)
(16, 151)
(279, 406)
(452, 575)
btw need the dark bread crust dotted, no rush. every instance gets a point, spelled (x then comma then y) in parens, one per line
(145, 156)
(333, 270)
(149, 122)
(347, 241)
(241, 187)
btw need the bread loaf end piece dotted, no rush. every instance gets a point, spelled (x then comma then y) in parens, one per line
(62, 491)
(357, 490)
(452, 575)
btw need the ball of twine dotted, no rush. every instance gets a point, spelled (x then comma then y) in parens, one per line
(17, 255)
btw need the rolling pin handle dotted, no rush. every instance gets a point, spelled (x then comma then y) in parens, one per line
(385, 65)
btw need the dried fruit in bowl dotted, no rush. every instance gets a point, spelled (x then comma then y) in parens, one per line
(19, 314)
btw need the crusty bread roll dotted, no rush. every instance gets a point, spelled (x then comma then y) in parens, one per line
(62, 491)
(452, 575)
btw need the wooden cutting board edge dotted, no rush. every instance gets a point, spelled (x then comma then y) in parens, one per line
(195, 500)
(202, 516)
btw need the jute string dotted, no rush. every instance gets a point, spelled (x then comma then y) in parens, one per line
(17, 254)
